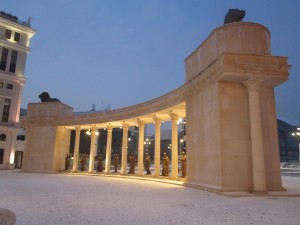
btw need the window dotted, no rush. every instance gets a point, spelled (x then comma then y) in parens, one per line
(17, 37)
(21, 137)
(3, 59)
(13, 61)
(6, 107)
(10, 86)
(2, 137)
(7, 34)
(1, 84)
(1, 155)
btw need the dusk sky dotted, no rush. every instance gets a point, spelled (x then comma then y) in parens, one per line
(124, 52)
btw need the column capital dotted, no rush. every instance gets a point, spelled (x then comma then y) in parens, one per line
(109, 127)
(157, 120)
(253, 83)
(141, 123)
(174, 116)
(125, 125)
(77, 129)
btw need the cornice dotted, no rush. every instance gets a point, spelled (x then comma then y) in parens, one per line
(14, 46)
(18, 27)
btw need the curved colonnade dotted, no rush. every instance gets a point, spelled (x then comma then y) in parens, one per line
(229, 105)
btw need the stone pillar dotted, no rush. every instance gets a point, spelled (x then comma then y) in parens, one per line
(258, 162)
(76, 149)
(108, 149)
(124, 148)
(174, 119)
(141, 147)
(157, 122)
(92, 150)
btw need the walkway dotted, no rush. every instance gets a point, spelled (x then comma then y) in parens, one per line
(47, 199)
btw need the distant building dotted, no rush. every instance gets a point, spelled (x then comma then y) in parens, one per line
(288, 144)
(15, 36)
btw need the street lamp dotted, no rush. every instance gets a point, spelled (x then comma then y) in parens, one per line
(297, 134)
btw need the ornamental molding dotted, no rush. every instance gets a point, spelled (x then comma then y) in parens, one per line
(253, 84)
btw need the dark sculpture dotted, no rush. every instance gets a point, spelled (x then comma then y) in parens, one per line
(45, 97)
(165, 169)
(234, 15)
(67, 162)
(83, 162)
(131, 163)
(147, 163)
(183, 164)
(116, 162)
(100, 163)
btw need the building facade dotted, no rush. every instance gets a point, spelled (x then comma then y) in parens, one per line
(15, 37)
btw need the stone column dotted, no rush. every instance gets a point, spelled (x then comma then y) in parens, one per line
(76, 149)
(92, 150)
(157, 122)
(108, 149)
(174, 119)
(141, 147)
(258, 163)
(124, 148)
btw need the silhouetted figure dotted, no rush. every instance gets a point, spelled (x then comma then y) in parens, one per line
(183, 164)
(116, 162)
(234, 15)
(100, 163)
(147, 163)
(131, 163)
(45, 97)
(83, 162)
(67, 162)
(165, 169)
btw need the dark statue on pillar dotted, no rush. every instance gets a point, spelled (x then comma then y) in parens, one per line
(45, 97)
(147, 163)
(131, 163)
(100, 163)
(183, 164)
(234, 15)
(116, 162)
(67, 162)
(83, 162)
(165, 169)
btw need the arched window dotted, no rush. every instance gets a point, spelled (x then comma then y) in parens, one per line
(2, 137)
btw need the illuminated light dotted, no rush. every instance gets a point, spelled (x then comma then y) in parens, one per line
(147, 139)
(129, 139)
(97, 133)
(145, 142)
(12, 157)
(181, 140)
(88, 132)
(298, 128)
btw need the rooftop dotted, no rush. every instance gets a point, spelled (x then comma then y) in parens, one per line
(14, 19)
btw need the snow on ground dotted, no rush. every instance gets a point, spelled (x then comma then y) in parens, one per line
(59, 199)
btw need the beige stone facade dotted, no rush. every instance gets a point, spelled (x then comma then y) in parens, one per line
(15, 37)
(227, 100)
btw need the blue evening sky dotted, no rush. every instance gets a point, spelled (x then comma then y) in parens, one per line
(124, 52)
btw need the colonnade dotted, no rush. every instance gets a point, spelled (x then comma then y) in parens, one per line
(140, 168)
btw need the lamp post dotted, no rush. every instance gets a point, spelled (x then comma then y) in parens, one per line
(297, 134)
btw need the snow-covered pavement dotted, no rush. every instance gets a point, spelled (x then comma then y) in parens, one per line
(59, 199)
